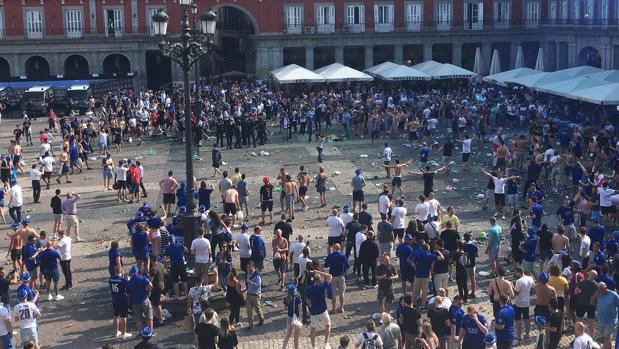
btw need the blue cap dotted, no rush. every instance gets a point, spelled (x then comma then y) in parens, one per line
(108, 155)
(146, 332)
(346, 207)
(182, 209)
(565, 251)
(133, 270)
(183, 184)
(540, 320)
(173, 238)
(531, 231)
(576, 265)
(408, 237)
(25, 276)
(244, 226)
(543, 277)
(595, 219)
(202, 208)
(26, 221)
(22, 294)
(129, 161)
(145, 205)
(357, 172)
(14, 226)
(291, 288)
(489, 338)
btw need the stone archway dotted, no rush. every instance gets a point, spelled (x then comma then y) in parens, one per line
(234, 48)
(76, 67)
(37, 68)
(5, 69)
(590, 56)
(116, 64)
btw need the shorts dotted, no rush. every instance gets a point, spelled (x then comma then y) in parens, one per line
(169, 198)
(57, 218)
(320, 320)
(408, 274)
(470, 270)
(332, 240)
(244, 262)
(412, 135)
(466, 157)
(289, 200)
(48, 175)
(122, 184)
(143, 310)
(357, 195)
(385, 295)
(338, 285)
(605, 331)
(302, 190)
(522, 313)
(589, 310)
(155, 296)
(528, 267)
(178, 274)
(29, 334)
(501, 163)
(120, 310)
(607, 210)
(266, 205)
(555, 175)
(279, 265)
(200, 268)
(259, 264)
(504, 345)
(493, 253)
(15, 254)
(499, 199)
(16, 159)
(34, 273)
(396, 182)
(542, 310)
(545, 254)
(102, 145)
(64, 168)
(71, 221)
(215, 165)
(53, 275)
(229, 208)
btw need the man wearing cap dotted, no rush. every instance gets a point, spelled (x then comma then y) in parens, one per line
(543, 294)
(358, 183)
(25, 314)
(258, 249)
(504, 324)
(146, 334)
(69, 208)
(266, 199)
(338, 265)
(120, 305)
(137, 290)
(31, 260)
(201, 248)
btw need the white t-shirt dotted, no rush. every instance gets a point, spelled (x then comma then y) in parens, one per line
(25, 313)
(383, 203)
(303, 264)
(585, 243)
(35, 175)
(359, 238)
(523, 287)
(48, 163)
(45, 148)
(433, 206)
(296, 249)
(606, 195)
(16, 193)
(121, 173)
(432, 123)
(421, 211)
(4, 315)
(583, 342)
(199, 294)
(431, 228)
(499, 185)
(64, 248)
(370, 335)
(244, 246)
(466, 146)
(346, 217)
(201, 247)
(335, 225)
(387, 154)
(549, 154)
(399, 217)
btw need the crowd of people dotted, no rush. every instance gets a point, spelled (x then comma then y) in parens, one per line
(570, 266)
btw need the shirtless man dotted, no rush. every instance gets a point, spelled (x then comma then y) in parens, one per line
(560, 241)
(304, 181)
(520, 152)
(291, 189)
(413, 126)
(15, 251)
(499, 286)
(543, 295)
(231, 203)
(396, 182)
(64, 166)
(502, 155)
(16, 151)
(281, 178)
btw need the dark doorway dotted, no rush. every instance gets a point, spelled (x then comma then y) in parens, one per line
(504, 53)
(5, 69)
(235, 49)
(412, 54)
(382, 54)
(323, 56)
(294, 55)
(116, 64)
(590, 56)
(530, 49)
(76, 67)
(37, 68)
(468, 55)
(354, 57)
(442, 53)
(158, 70)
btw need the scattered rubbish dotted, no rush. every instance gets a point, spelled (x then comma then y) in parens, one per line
(253, 153)
(449, 188)
(224, 163)
(483, 274)
(407, 145)
(452, 162)
(331, 188)
(363, 155)
(481, 196)
(264, 153)
(337, 173)
(433, 163)
(151, 152)
(455, 180)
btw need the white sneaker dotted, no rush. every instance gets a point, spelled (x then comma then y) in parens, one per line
(50, 297)
(118, 333)
(59, 297)
(127, 335)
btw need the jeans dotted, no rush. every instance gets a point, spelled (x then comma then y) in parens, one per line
(142, 187)
(66, 271)
(366, 266)
(463, 286)
(36, 190)
(15, 213)
(319, 154)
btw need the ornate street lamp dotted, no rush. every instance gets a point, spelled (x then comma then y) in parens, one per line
(194, 43)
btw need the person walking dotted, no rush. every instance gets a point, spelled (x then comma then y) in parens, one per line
(315, 294)
(201, 249)
(25, 314)
(156, 276)
(64, 249)
(35, 177)
(292, 301)
(234, 296)
(335, 230)
(358, 183)
(253, 282)
(16, 201)
(120, 305)
(368, 255)
(338, 265)
(69, 209)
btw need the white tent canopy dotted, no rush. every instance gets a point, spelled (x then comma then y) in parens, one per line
(337, 72)
(533, 81)
(567, 88)
(402, 72)
(443, 71)
(502, 78)
(603, 94)
(294, 74)
(383, 67)
(427, 66)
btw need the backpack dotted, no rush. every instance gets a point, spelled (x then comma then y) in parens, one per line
(370, 343)
(464, 259)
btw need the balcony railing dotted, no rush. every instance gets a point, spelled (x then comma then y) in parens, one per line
(383, 27)
(325, 28)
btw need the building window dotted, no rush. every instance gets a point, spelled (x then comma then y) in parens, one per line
(532, 15)
(589, 10)
(502, 14)
(413, 16)
(383, 18)
(355, 19)
(474, 16)
(552, 15)
(34, 24)
(564, 10)
(73, 23)
(294, 19)
(576, 11)
(113, 22)
(325, 18)
(604, 11)
(443, 16)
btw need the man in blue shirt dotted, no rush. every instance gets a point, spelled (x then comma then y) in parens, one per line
(504, 324)
(537, 212)
(178, 274)
(338, 265)
(403, 251)
(423, 262)
(596, 232)
(49, 267)
(596, 258)
(120, 306)
(253, 282)
(137, 290)
(606, 305)
(528, 248)
(472, 251)
(494, 240)
(33, 296)
(31, 261)
(315, 295)
(474, 327)
(140, 248)
(456, 313)
(258, 249)
(565, 213)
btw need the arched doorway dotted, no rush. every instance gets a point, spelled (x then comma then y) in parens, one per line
(37, 68)
(158, 70)
(76, 67)
(5, 69)
(116, 64)
(590, 56)
(234, 49)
